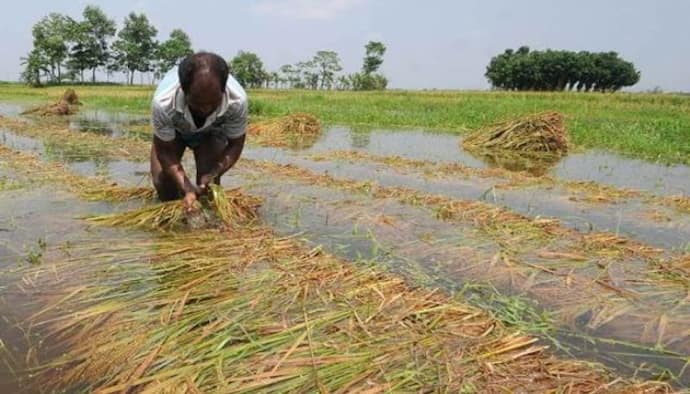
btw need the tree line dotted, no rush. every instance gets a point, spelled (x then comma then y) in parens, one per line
(65, 48)
(553, 70)
(319, 72)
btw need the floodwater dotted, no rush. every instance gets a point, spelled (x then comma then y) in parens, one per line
(622, 218)
(34, 224)
(403, 239)
(597, 166)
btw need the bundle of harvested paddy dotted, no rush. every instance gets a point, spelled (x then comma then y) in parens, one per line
(543, 133)
(70, 97)
(67, 105)
(223, 208)
(294, 130)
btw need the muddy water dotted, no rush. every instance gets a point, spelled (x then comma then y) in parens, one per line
(105, 123)
(601, 167)
(606, 168)
(625, 219)
(36, 225)
(12, 109)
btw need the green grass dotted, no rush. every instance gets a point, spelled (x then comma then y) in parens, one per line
(650, 126)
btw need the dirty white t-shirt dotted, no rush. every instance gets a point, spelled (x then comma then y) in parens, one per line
(170, 114)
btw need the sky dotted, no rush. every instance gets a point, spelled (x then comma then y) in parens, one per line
(434, 44)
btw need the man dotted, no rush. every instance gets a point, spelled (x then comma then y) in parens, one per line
(197, 105)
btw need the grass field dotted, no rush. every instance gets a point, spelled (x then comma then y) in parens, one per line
(653, 127)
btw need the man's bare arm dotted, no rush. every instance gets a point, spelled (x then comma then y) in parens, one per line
(228, 159)
(169, 158)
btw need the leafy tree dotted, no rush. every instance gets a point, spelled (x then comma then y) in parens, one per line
(34, 66)
(362, 81)
(51, 36)
(136, 46)
(373, 57)
(94, 33)
(90, 42)
(248, 69)
(290, 75)
(344, 82)
(328, 64)
(273, 78)
(309, 75)
(173, 50)
(368, 79)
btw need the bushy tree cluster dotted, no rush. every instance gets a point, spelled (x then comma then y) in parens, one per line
(552, 70)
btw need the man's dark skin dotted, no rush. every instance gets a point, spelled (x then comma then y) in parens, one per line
(214, 156)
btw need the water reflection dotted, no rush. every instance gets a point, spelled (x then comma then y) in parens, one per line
(601, 167)
(534, 164)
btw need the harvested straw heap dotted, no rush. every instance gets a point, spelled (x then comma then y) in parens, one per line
(67, 105)
(540, 133)
(294, 130)
(223, 208)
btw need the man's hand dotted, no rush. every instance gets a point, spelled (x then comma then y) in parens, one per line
(204, 183)
(188, 201)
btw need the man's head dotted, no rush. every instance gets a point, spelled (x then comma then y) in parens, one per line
(203, 77)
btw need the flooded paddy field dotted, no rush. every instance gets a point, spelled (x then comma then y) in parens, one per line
(366, 242)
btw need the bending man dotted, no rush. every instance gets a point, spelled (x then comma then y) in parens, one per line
(197, 105)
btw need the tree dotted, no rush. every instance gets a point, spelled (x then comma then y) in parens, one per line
(135, 47)
(34, 65)
(248, 69)
(368, 79)
(173, 50)
(309, 75)
(290, 75)
(344, 82)
(95, 31)
(273, 77)
(362, 81)
(51, 36)
(328, 64)
(373, 57)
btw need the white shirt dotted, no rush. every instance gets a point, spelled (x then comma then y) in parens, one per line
(170, 114)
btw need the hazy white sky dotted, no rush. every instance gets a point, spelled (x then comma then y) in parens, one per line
(432, 44)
